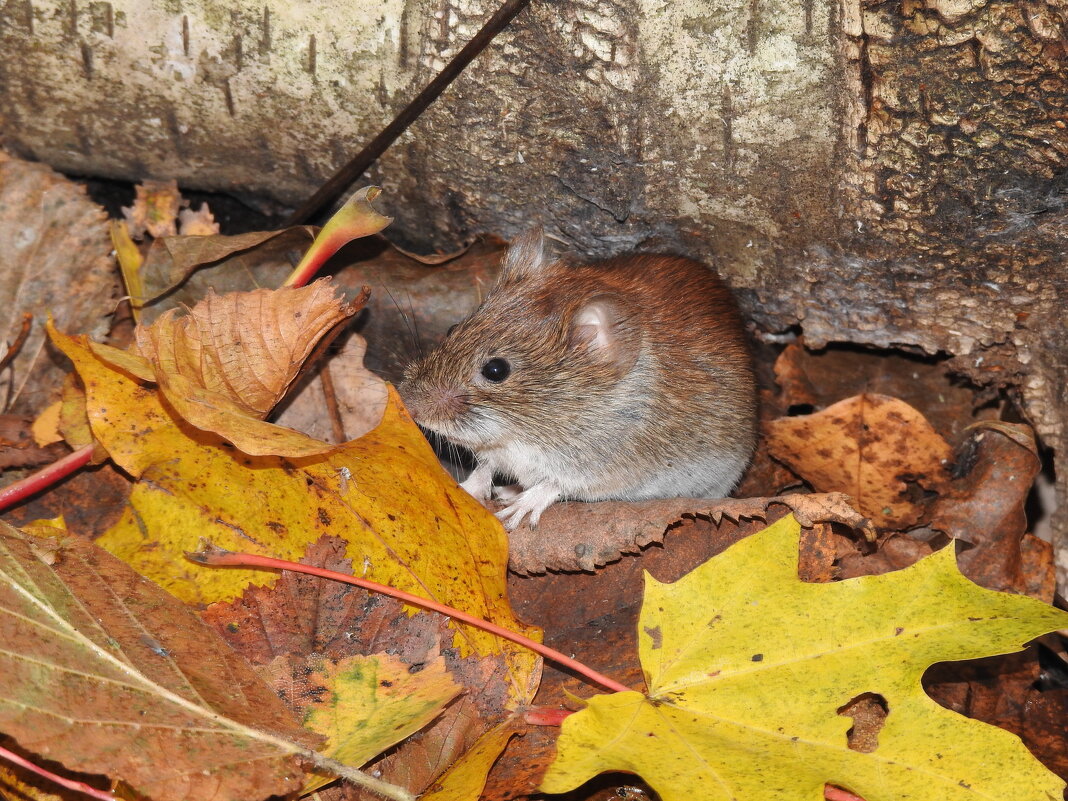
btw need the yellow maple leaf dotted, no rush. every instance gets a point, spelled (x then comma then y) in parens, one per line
(747, 668)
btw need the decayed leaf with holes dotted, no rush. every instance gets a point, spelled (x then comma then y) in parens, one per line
(103, 671)
(154, 210)
(868, 447)
(745, 685)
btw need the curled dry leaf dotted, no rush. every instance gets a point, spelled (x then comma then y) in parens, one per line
(55, 259)
(985, 508)
(869, 447)
(105, 672)
(585, 536)
(229, 361)
(245, 346)
(197, 223)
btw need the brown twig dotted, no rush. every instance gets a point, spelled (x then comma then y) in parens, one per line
(345, 176)
(337, 428)
(20, 340)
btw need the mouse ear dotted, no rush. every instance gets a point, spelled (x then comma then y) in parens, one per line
(526, 255)
(604, 327)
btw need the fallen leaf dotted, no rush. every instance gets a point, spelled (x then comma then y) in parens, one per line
(236, 263)
(405, 521)
(197, 223)
(154, 210)
(985, 509)
(129, 258)
(239, 352)
(745, 686)
(819, 378)
(870, 447)
(104, 672)
(585, 536)
(56, 259)
(45, 427)
(19, 446)
(291, 630)
(464, 780)
(370, 703)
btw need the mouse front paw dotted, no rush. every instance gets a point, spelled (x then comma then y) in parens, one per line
(479, 484)
(532, 501)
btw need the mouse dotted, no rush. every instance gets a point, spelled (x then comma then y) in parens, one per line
(626, 379)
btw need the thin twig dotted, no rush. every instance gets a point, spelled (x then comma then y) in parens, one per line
(344, 177)
(337, 427)
(20, 340)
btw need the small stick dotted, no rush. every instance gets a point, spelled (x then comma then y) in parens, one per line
(345, 176)
(70, 784)
(337, 428)
(211, 555)
(20, 340)
(45, 477)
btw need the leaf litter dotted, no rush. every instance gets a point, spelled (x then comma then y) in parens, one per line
(833, 545)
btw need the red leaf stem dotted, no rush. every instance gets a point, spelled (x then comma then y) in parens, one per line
(70, 784)
(45, 477)
(218, 556)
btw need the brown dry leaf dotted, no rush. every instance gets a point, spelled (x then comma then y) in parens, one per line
(984, 508)
(286, 631)
(154, 210)
(1008, 691)
(228, 362)
(585, 536)
(819, 378)
(19, 446)
(105, 672)
(55, 259)
(870, 447)
(197, 223)
(173, 266)
(247, 347)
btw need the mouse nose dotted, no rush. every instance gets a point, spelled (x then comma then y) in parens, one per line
(433, 403)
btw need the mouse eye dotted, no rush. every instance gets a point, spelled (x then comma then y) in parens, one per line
(496, 370)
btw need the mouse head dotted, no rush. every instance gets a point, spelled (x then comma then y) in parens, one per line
(532, 361)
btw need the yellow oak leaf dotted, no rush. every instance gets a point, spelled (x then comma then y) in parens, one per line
(369, 703)
(747, 669)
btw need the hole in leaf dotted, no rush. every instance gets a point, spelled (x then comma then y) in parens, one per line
(869, 711)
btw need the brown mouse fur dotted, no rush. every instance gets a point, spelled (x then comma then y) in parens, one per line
(627, 379)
